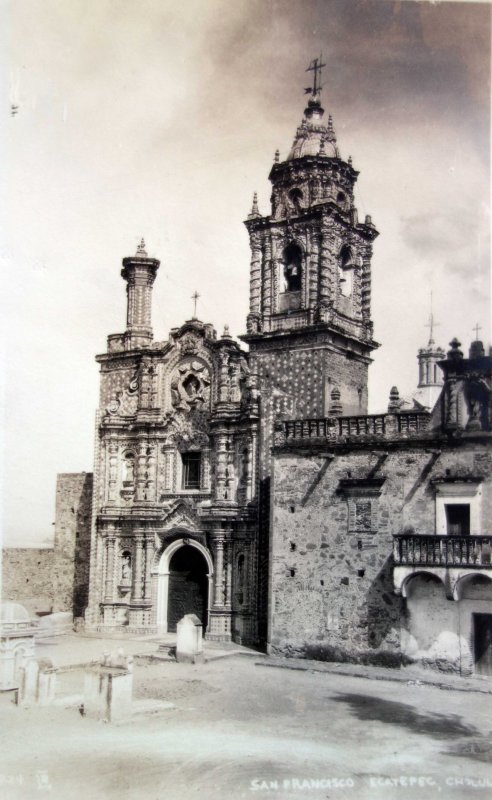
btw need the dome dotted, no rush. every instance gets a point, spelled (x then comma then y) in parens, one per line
(312, 137)
(311, 145)
(13, 613)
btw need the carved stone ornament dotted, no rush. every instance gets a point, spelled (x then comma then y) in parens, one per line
(114, 404)
(190, 343)
(180, 515)
(133, 385)
(190, 385)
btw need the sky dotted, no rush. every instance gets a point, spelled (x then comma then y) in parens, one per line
(160, 119)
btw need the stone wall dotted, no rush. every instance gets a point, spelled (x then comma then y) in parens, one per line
(27, 577)
(72, 542)
(334, 516)
(55, 579)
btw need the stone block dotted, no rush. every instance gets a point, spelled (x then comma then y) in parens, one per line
(16, 643)
(55, 624)
(108, 688)
(189, 646)
(37, 684)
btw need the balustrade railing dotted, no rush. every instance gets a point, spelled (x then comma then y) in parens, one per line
(333, 428)
(442, 551)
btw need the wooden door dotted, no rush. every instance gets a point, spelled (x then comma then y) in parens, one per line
(188, 586)
(482, 643)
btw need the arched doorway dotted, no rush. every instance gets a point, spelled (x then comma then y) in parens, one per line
(184, 583)
(188, 586)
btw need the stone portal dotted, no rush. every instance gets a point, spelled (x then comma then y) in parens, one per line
(188, 586)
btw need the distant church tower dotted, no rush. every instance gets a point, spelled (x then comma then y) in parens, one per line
(430, 373)
(309, 328)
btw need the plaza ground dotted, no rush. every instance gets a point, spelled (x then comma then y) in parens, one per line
(246, 727)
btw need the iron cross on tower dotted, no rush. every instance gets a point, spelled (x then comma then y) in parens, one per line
(432, 323)
(315, 66)
(477, 328)
(194, 297)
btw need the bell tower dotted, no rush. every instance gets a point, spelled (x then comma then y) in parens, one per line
(309, 325)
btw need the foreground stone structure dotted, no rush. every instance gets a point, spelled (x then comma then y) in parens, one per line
(16, 643)
(108, 687)
(189, 645)
(37, 684)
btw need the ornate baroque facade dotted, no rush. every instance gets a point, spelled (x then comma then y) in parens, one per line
(175, 476)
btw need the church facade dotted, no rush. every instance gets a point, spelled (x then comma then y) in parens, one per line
(185, 427)
(175, 475)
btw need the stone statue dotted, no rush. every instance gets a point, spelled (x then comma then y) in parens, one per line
(126, 570)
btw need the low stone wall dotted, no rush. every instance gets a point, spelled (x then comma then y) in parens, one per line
(55, 579)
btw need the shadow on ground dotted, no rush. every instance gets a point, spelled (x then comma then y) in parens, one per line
(439, 726)
(476, 749)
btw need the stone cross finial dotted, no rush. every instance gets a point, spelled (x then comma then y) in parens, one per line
(336, 408)
(455, 353)
(141, 251)
(394, 399)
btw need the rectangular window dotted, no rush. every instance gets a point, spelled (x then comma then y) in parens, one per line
(192, 463)
(457, 519)
(363, 516)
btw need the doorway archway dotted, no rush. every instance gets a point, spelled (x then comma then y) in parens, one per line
(184, 584)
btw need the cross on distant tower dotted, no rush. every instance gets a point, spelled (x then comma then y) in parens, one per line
(315, 66)
(476, 329)
(194, 297)
(431, 324)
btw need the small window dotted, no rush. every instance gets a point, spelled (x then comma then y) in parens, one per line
(458, 519)
(345, 269)
(295, 197)
(293, 268)
(191, 470)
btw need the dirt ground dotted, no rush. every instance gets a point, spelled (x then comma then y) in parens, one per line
(234, 728)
